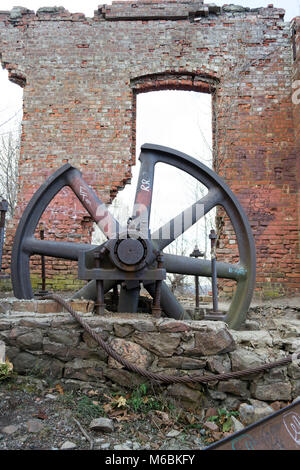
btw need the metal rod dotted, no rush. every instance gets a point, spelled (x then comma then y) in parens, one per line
(99, 304)
(42, 237)
(213, 237)
(156, 309)
(196, 254)
(3, 209)
(197, 291)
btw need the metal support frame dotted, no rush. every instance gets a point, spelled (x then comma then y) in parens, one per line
(3, 210)
(196, 253)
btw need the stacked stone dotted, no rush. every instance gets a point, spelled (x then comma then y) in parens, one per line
(54, 345)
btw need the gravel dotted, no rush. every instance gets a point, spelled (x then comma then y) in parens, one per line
(33, 416)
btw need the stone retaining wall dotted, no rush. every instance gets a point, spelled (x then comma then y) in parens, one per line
(55, 346)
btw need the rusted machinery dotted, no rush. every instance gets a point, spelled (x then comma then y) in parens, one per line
(132, 255)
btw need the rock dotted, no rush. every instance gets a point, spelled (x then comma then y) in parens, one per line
(295, 388)
(237, 425)
(49, 367)
(276, 405)
(235, 387)
(34, 425)
(68, 338)
(232, 402)
(105, 446)
(122, 447)
(252, 325)
(210, 338)
(131, 352)
(173, 433)
(216, 395)
(271, 391)
(50, 10)
(243, 358)
(235, 9)
(50, 396)
(173, 326)
(102, 424)
(211, 426)
(2, 352)
(258, 339)
(188, 397)
(84, 369)
(219, 364)
(211, 412)
(257, 410)
(10, 429)
(136, 446)
(31, 340)
(68, 445)
(124, 377)
(123, 330)
(162, 344)
(293, 371)
(181, 362)
(247, 413)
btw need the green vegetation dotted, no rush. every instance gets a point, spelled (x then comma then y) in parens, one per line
(223, 419)
(6, 370)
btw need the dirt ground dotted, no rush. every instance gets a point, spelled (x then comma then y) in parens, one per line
(36, 416)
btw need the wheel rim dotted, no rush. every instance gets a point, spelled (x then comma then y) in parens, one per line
(25, 244)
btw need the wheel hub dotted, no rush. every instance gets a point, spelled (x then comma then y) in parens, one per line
(130, 252)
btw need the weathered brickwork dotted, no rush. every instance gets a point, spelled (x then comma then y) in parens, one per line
(81, 76)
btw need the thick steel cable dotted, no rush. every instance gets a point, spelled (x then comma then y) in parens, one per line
(167, 379)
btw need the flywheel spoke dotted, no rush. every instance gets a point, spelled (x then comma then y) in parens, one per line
(166, 234)
(95, 207)
(143, 196)
(89, 291)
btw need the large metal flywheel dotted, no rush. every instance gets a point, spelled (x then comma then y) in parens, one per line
(132, 255)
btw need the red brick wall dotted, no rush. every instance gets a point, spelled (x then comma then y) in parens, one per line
(80, 76)
(296, 110)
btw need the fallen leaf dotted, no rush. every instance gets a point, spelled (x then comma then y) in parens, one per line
(217, 435)
(59, 389)
(107, 408)
(121, 401)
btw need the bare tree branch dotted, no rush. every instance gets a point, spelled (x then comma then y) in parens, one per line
(9, 163)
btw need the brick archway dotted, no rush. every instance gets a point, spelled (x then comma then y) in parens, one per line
(184, 81)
